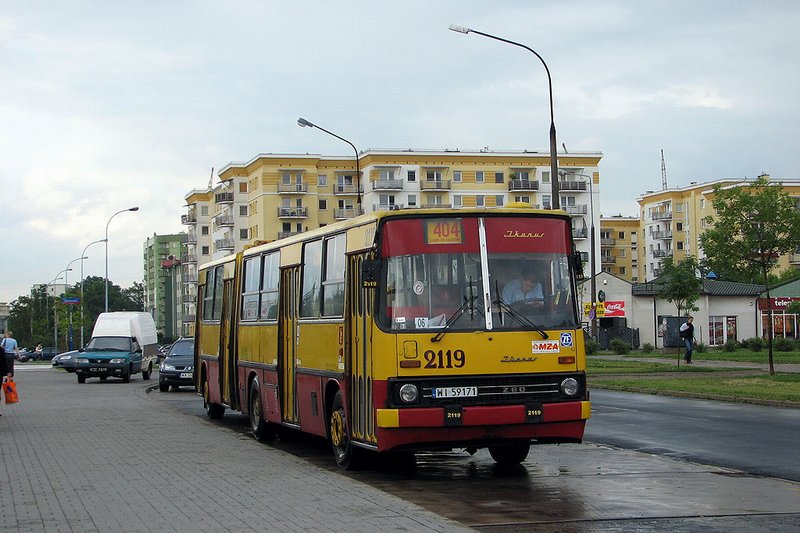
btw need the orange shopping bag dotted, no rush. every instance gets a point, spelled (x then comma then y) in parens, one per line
(10, 391)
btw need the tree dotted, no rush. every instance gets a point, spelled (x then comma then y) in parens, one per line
(679, 283)
(754, 225)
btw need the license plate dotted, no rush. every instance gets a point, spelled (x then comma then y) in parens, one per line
(186, 375)
(95, 369)
(455, 392)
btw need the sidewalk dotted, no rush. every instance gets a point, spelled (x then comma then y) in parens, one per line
(789, 368)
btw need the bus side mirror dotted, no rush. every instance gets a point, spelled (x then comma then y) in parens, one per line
(577, 265)
(369, 273)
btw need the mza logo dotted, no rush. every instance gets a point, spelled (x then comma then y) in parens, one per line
(546, 346)
(566, 340)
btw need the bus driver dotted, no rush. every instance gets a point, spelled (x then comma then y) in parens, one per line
(526, 287)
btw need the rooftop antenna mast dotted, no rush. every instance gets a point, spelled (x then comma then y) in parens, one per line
(663, 172)
(211, 177)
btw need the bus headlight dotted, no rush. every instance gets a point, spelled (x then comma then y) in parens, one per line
(569, 387)
(409, 393)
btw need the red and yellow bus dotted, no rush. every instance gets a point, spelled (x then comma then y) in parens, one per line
(395, 331)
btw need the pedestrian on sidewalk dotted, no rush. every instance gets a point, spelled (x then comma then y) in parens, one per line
(9, 345)
(4, 370)
(687, 334)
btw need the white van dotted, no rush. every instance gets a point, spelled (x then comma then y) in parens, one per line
(123, 343)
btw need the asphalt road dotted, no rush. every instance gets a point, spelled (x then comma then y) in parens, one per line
(755, 439)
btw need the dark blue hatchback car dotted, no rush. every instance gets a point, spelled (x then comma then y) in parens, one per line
(177, 369)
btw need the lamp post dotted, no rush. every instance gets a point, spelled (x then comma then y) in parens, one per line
(47, 300)
(84, 257)
(303, 123)
(66, 283)
(55, 309)
(106, 240)
(555, 204)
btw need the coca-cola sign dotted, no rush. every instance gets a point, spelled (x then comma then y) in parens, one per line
(616, 308)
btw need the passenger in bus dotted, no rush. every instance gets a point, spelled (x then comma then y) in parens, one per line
(526, 287)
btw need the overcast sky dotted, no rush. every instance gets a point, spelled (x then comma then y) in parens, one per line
(106, 105)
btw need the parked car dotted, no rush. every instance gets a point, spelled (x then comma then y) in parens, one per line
(65, 360)
(177, 369)
(48, 352)
(25, 355)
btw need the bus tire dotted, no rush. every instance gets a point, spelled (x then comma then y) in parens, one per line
(510, 454)
(213, 410)
(346, 455)
(262, 430)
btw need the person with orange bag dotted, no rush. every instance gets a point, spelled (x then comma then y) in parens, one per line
(3, 367)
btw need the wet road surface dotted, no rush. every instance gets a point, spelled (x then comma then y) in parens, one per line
(574, 487)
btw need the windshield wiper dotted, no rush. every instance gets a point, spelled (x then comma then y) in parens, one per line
(469, 303)
(520, 318)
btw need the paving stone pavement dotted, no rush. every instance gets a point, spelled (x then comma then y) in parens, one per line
(103, 457)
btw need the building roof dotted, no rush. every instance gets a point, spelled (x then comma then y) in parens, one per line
(709, 287)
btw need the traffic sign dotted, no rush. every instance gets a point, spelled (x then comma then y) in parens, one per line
(70, 301)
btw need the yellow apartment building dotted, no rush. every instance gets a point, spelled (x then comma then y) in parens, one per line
(619, 247)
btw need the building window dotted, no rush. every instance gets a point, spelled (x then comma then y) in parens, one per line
(433, 175)
(546, 176)
(323, 205)
(498, 200)
(322, 180)
(412, 200)
(545, 200)
(243, 234)
(702, 203)
(479, 177)
(204, 250)
(457, 200)
(680, 245)
(242, 210)
(621, 235)
(621, 271)
(525, 199)
(243, 187)
(457, 176)
(411, 175)
(203, 230)
(480, 201)
(679, 226)
(499, 177)
(386, 174)
(204, 210)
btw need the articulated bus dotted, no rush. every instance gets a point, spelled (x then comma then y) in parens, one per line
(395, 332)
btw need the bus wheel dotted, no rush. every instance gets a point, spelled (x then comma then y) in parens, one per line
(346, 455)
(262, 429)
(213, 410)
(510, 454)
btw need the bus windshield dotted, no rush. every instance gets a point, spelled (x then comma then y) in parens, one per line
(453, 272)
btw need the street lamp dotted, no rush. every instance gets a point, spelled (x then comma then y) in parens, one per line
(303, 123)
(84, 254)
(66, 283)
(555, 204)
(106, 240)
(55, 309)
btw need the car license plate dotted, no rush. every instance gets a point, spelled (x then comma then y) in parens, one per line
(455, 392)
(186, 375)
(96, 369)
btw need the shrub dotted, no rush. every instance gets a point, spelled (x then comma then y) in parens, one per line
(755, 344)
(619, 346)
(731, 345)
(700, 347)
(782, 344)
(647, 348)
(592, 346)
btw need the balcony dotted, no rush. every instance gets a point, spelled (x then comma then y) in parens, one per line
(435, 185)
(523, 185)
(189, 278)
(606, 259)
(386, 207)
(191, 238)
(387, 185)
(349, 189)
(662, 253)
(188, 258)
(580, 233)
(223, 244)
(223, 198)
(223, 221)
(189, 298)
(188, 319)
(662, 215)
(662, 235)
(436, 206)
(656, 272)
(189, 219)
(575, 210)
(292, 188)
(571, 185)
(608, 242)
(344, 214)
(284, 234)
(292, 212)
